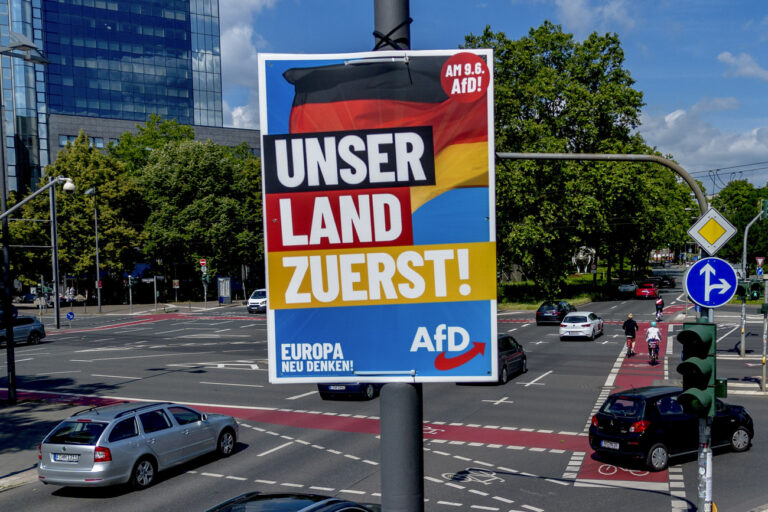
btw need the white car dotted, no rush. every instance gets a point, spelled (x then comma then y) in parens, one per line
(257, 302)
(583, 324)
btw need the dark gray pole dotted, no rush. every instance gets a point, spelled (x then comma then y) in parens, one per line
(392, 25)
(7, 315)
(402, 449)
(402, 455)
(55, 254)
(98, 271)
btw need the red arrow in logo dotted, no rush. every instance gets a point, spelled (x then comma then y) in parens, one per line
(443, 363)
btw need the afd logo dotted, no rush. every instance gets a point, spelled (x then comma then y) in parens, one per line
(445, 339)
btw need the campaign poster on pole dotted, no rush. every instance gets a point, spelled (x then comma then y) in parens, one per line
(379, 216)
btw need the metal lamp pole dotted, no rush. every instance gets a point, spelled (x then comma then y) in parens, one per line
(90, 191)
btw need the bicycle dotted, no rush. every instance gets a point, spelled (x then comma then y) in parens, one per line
(658, 315)
(630, 341)
(653, 350)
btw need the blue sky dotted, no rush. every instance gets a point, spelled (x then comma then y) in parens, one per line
(702, 65)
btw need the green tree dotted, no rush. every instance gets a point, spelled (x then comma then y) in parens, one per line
(204, 202)
(117, 198)
(134, 149)
(739, 203)
(556, 95)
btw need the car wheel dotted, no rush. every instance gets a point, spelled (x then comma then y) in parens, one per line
(34, 338)
(504, 375)
(592, 338)
(524, 368)
(740, 440)
(369, 392)
(658, 457)
(143, 474)
(226, 443)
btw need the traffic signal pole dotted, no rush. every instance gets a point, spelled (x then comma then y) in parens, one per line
(765, 326)
(745, 277)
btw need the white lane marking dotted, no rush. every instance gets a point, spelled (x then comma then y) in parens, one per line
(726, 334)
(302, 395)
(537, 378)
(27, 359)
(215, 475)
(134, 357)
(275, 449)
(115, 376)
(223, 330)
(54, 373)
(174, 330)
(229, 384)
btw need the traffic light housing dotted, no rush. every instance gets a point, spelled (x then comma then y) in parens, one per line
(130, 281)
(699, 368)
(764, 209)
(741, 289)
(755, 289)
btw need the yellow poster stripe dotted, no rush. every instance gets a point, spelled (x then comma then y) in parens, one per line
(382, 275)
(456, 166)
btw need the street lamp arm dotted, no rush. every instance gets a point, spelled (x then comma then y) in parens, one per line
(69, 185)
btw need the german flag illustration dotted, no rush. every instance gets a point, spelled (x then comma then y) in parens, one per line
(361, 95)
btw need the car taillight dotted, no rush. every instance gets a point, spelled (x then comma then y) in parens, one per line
(102, 454)
(40, 452)
(594, 420)
(563, 325)
(585, 325)
(639, 426)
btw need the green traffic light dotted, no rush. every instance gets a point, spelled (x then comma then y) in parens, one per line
(698, 368)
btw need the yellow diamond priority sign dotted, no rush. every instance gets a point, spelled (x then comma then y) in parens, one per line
(712, 231)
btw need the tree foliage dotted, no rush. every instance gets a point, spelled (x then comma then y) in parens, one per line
(557, 95)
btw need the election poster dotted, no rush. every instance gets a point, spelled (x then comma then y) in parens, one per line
(379, 216)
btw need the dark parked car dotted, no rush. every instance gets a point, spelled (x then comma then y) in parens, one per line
(258, 502)
(552, 312)
(363, 390)
(649, 424)
(512, 359)
(667, 282)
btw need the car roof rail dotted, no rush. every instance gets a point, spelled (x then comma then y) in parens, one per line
(96, 408)
(138, 408)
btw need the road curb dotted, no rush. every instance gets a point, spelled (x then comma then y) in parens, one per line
(19, 479)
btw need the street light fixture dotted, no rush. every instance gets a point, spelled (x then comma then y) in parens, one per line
(92, 191)
(20, 47)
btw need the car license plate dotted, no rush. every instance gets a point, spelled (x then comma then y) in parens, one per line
(609, 444)
(66, 457)
(337, 388)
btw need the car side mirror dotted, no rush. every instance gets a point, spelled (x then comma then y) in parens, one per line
(205, 417)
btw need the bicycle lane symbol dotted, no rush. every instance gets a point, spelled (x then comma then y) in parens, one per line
(594, 469)
(483, 476)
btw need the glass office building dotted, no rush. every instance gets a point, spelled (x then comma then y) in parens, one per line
(118, 60)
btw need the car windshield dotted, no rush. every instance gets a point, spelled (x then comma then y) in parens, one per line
(77, 432)
(574, 319)
(259, 294)
(623, 406)
(547, 307)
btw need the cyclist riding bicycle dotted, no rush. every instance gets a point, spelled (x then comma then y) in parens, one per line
(659, 307)
(653, 337)
(630, 330)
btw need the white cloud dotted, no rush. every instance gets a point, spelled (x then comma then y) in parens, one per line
(696, 144)
(239, 58)
(583, 18)
(743, 65)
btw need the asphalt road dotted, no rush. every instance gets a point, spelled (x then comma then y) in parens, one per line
(520, 446)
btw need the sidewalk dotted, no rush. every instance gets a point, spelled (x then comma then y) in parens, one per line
(137, 309)
(22, 428)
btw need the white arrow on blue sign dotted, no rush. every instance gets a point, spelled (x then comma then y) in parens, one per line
(710, 282)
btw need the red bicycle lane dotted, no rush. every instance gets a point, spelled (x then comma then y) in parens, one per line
(633, 372)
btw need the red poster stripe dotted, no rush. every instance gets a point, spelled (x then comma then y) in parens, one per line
(452, 121)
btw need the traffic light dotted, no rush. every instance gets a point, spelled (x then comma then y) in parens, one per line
(755, 289)
(698, 368)
(130, 281)
(741, 289)
(764, 209)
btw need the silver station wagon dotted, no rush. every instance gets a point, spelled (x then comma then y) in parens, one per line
(130, 443)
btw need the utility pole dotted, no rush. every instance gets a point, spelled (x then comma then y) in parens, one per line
(761, 215)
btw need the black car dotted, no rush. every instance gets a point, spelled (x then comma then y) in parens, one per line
(263, 502)
(667, 282)
(649, 424)
(512, 359)
(552, 312)
(362, 390)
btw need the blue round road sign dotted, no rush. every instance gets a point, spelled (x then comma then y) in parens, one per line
(70, 315)
(710, 282)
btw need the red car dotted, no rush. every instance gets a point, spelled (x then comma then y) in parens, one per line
(647, 290)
